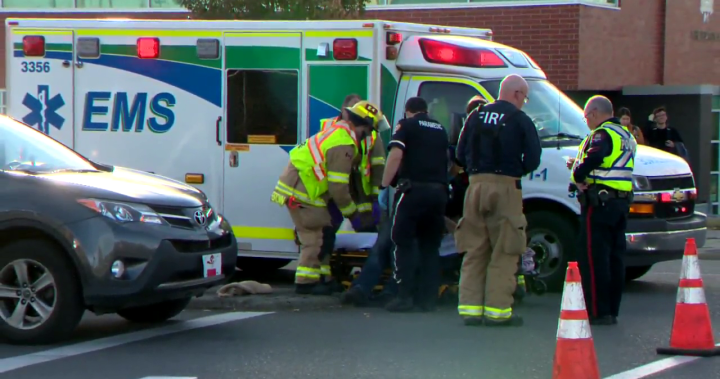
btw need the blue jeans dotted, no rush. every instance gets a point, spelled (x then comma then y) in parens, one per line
(379, 259)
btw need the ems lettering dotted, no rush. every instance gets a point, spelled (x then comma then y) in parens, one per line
(491, 117)
(127, 112)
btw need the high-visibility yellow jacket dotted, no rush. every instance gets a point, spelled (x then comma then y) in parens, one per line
(320, 169)
(617, 168)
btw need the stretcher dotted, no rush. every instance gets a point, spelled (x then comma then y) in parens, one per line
(352, 249)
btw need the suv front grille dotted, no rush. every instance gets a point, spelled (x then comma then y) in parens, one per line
(669, 183)
(182, 217)
(188, 246)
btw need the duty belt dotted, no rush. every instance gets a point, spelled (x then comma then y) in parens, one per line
(614, 194)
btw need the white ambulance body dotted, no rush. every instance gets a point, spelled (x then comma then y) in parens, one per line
(219, 104)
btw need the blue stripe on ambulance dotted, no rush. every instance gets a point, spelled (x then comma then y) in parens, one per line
(189, 78)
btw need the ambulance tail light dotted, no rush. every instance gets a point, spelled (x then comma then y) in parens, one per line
(446, 53)
(148, 48)
(345, 49)
(394, 38)
(34, 46)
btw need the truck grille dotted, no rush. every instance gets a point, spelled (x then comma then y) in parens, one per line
(674, 210)
(669, 183)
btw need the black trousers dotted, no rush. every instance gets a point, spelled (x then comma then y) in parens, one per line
(601, 256)
(417, 231)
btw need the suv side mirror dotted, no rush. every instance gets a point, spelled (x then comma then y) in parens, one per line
(456, 124)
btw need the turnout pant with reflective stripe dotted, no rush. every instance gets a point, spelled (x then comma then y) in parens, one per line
(309, 222)
(600, 256)
(492, 235)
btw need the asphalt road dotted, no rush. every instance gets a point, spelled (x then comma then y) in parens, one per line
(367, 343)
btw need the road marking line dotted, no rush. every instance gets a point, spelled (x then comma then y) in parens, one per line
(654, 367)
(170, 377)
(14, 363)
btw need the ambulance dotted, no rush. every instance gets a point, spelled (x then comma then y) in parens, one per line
(219, 104)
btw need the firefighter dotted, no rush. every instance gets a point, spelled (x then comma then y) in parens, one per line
(498, 146)
(318, 172)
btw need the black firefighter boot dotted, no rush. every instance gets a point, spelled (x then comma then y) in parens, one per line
(514, 320)
(400, 304)
(319, 289)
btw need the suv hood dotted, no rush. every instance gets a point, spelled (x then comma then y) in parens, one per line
(650, 161)
(130, 185)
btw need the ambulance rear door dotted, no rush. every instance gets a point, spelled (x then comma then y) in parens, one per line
(40, 81)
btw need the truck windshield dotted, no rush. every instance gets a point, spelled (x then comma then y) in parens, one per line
(554, 114)
(22, 148)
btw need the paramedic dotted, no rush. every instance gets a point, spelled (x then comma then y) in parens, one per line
(417, 166)
(602, 172)
(319, 170)
(498, 145)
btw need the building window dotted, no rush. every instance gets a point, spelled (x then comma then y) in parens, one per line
(165, 4)
(27, 4)
(119, 4)
(262, 107)
(715, 162)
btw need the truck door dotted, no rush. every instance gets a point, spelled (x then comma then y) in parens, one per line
(40, 81)
(263, 121)
(447, 97)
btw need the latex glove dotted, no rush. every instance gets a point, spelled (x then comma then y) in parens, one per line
(376, 213)
(356, 222)
(384, 198)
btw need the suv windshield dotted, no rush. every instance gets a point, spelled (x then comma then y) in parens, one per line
(554, 114)
(23, 148)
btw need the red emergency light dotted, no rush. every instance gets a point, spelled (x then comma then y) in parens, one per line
(394, 38)
(450, 54)
(148, 48)
(345, 49)
(34, 46)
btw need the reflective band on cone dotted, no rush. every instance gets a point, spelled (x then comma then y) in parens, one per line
(575, 350)
(692, 332)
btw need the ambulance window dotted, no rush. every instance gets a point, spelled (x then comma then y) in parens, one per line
(88, 47)
(262, 107)
(446, 98)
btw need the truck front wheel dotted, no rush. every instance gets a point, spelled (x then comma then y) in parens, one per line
(553, 238)
(636, 272)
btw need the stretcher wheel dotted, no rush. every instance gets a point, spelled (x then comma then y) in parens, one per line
(539, 287)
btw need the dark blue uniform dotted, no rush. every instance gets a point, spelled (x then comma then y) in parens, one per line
(602, 238)
(419, 211)
(521, 150)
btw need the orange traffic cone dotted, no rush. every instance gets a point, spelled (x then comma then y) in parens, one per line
(692, 332)
(575, 350)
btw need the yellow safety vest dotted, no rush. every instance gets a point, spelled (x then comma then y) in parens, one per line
(366, 147)
(309, 159)
(617, 168)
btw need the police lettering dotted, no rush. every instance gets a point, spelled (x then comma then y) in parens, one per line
(491, 117)
(128, 114)
(430, 124)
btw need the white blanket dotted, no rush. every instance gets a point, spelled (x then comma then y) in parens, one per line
(362, 241)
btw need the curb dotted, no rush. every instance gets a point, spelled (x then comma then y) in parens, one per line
(713, 222)
(282, 300)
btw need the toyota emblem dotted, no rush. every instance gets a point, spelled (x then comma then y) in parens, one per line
(200, 218)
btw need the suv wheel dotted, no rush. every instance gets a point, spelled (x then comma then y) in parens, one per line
(40, 295)
(155, 313)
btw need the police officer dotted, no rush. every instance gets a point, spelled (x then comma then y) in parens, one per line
(498, 145)
(419, 159)
(602, 171)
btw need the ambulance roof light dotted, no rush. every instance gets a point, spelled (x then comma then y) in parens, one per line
(345, 49)
(446, 53)
(34, 46)
(148, 48)
(515, 57)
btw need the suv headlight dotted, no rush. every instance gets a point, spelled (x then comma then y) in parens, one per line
(123, 212)
(640, 183)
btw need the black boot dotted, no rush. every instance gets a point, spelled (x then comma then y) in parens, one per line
(514, 320)
(473, 321)
(400, 304)
(321, 289)
(354, 296)
(304, 289)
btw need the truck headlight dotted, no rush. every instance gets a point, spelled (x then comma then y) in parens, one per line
(123, 212)
(640, 183)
